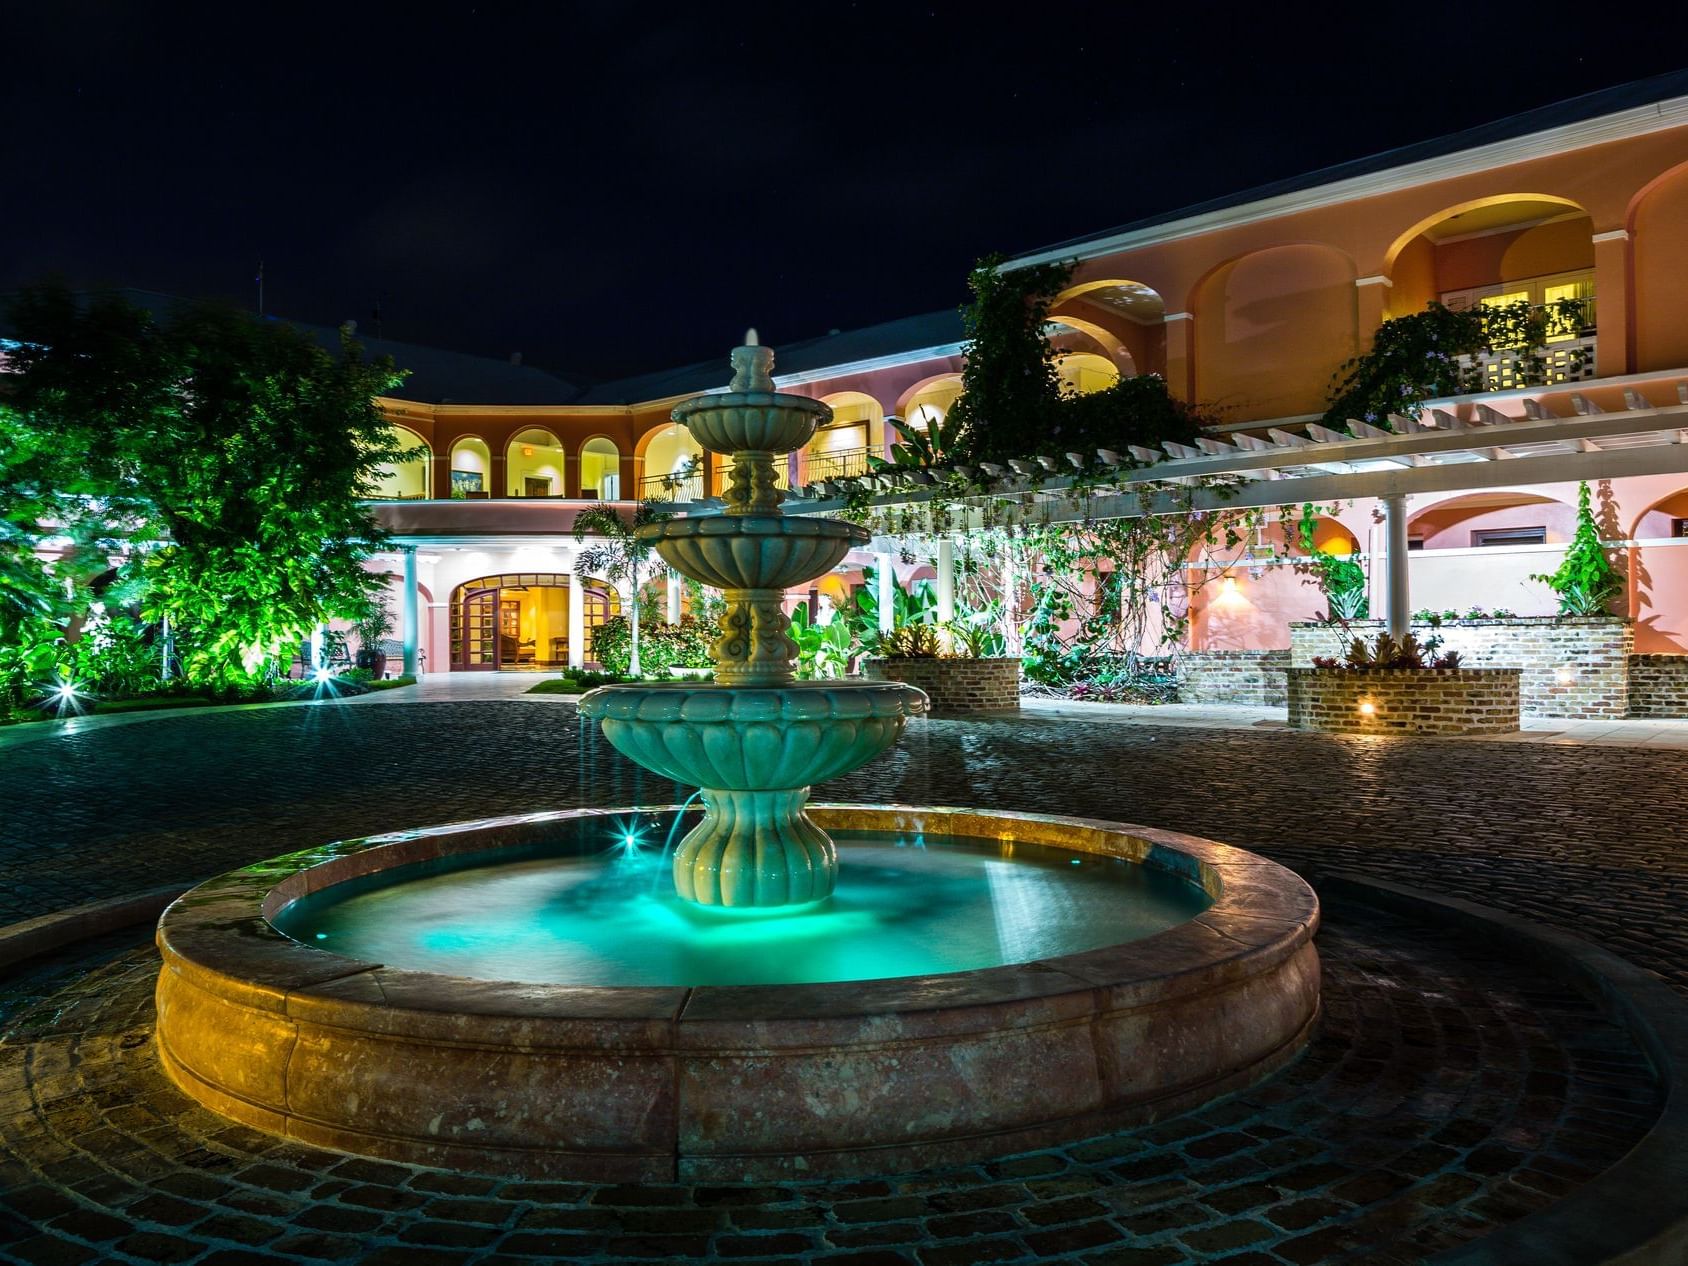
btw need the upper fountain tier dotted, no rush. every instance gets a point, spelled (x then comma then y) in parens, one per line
(751, 551)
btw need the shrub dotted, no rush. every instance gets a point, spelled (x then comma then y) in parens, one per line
(661, 646)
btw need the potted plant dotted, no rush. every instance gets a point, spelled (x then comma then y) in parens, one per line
(376, 624)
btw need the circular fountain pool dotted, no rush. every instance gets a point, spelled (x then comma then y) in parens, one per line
(596, 906)
(968, 991)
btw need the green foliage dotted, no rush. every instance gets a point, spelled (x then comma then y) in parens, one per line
(1012, 405)
(918, 605)
(823, 647)
(1384, 652)
(1435, 619)
(921, 447)
(662, 646)
(375, 625)
(237, 446)
(1416, 358)
(1587, 582)
(1010, 386)
(1340, 579)
(619, 555)
(978, 634)
(912, 641)
(556, 686)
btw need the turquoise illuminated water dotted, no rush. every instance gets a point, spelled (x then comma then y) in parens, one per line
(904, 906)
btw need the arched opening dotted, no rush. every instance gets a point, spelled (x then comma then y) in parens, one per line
(471, 468)
(520, 620)
(673, 466)
(1271, 327)
(1085, 373)
(1658, 226)
(1491, 520)
(840, 449)
(406, 479)
(930, 402)
(534, 464)
(600, 470)
(1666, 519)
(1519, 249)
(1125, 319)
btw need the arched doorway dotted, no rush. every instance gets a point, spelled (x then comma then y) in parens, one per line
(600, 470)
(520, 620)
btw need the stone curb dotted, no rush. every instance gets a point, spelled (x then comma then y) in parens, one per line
(49, 932)
(1636, 1213)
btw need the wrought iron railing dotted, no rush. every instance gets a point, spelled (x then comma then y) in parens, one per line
(671, 487)
(843, 463)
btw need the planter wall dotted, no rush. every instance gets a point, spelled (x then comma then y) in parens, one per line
(1577, 667)
(956, 687)
(1658, 685)
(1405, 700)
(1244, 677)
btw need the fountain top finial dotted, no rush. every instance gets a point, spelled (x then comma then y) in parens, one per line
(753, 365)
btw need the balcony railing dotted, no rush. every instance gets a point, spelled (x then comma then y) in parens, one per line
(843, 463)
(1569, 360)
(671, 487)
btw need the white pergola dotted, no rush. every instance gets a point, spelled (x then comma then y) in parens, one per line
(1303, 461)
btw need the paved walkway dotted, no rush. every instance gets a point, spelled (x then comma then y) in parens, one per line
(1435, 1103)
(1587, 837)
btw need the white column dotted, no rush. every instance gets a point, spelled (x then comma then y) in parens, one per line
(1009, 630)
(577, 622)
(674, 597)
(316, 648)
(1399, 606)
(169, 649)
(412, 615)
(885, 579)
(946, 579)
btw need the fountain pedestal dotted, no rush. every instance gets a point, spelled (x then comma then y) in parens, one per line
(755, 740)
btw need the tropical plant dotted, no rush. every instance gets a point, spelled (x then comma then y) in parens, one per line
(921, 446)
(978, 634)
(371, 628)
(823, 646)
(916, 605)
(1384, 652)
(913, 641)
(1586, 582)
(618, 555)
(1339, 578)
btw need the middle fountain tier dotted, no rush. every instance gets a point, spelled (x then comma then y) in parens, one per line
(755, 739)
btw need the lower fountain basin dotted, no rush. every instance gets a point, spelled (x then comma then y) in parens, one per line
(727, 1081)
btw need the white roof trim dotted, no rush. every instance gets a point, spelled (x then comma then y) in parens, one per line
(1658, 117)
(941, 352)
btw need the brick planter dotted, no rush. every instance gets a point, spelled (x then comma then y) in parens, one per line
(1248, 677)
(956, 687)
(1576, 667)
(1658, 685)
(1405, 700)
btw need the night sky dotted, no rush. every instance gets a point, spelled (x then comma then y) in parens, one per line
(619, 187)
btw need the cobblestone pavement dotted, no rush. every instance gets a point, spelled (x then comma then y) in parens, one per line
(1586, 838)
(1438, 1100)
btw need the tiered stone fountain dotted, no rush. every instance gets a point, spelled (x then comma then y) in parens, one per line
(756, 739)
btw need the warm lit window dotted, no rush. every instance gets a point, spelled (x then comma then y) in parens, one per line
(1679, 527)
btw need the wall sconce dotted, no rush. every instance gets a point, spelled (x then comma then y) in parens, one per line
(1367, 708)
(1228, 587)
(1564, 676)
(527, 450)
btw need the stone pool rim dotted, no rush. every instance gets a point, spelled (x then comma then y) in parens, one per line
(727, 1082)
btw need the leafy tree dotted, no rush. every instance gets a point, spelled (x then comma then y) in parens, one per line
(618, 555)
(237, 446)
(1012, 404)
(1586, 581)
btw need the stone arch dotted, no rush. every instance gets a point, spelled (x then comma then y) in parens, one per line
(1450, 522)
(929, 400)
(470, 465)
(670, 464)
(599, 464)
(1658, 519)
(409, 478)
(535, 464)
(1272, 326)
(1126, 319)
(1083, 373)
(1658, 226)
(840, 449)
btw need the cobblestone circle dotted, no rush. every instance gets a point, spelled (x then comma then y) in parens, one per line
(1584, 838)
(1436, 1102)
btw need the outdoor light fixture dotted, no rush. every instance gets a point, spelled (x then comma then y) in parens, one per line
(1367, 708)
(1228, 586)
(1564, 676)
(323, 674)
